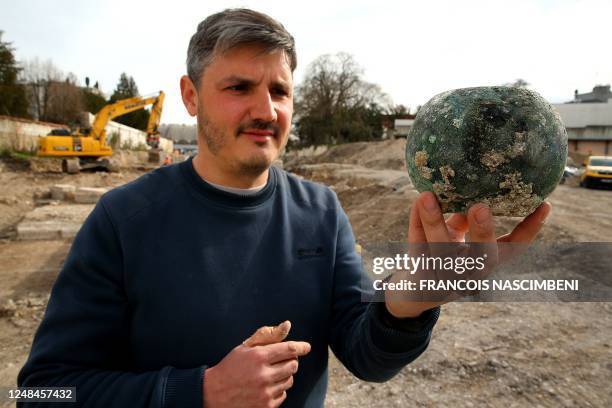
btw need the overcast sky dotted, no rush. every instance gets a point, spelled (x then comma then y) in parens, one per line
(413, 50)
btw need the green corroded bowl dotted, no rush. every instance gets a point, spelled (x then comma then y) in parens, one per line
(502, 146)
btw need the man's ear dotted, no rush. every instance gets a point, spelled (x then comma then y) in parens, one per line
(189, 95)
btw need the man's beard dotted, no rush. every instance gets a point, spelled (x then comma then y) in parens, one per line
(215, 141)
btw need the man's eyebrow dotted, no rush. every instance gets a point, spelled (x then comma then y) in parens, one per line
(234, 79)
(281, 84)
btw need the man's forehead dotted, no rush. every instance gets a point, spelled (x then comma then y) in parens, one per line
(246, 60)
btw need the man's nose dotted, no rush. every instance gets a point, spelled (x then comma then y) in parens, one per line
(263, 107)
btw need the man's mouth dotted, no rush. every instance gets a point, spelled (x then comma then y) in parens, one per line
(259, 135)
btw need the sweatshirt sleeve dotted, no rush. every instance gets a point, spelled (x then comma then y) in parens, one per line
(83, 339)
(371, 343)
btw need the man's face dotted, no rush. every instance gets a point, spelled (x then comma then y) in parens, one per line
(244, 108)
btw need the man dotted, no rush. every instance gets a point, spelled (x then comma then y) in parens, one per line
(172, 272)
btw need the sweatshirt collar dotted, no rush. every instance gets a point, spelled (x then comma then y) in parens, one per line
(225, 198)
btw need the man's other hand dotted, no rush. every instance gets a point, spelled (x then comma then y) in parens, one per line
(257, 373)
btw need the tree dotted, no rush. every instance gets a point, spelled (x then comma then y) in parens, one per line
(126, 88)
(398, 110)
(54, 97)
(13, 99)
(335, 105)
(65, 101)
(519, 83)
(92, 101)
(38, 77)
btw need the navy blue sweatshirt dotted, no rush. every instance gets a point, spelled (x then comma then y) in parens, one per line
(168, 274)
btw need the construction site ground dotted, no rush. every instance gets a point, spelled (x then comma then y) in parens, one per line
(481, 354)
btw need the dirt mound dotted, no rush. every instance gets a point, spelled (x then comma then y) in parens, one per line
(25, 180)
(372, 167)
(384, 155)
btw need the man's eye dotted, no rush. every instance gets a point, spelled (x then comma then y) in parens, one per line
(237, 88)
(280, 92)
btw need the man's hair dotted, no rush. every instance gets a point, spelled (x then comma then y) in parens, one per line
(220, 32)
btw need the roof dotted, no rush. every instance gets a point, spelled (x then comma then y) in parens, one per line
(403, 122)
(36, 122)
(581, 115)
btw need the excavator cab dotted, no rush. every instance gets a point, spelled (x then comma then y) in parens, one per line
(60, 132)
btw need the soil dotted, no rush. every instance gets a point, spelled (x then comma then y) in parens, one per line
(481, 354)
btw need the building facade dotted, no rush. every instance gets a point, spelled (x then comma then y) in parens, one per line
(588, 120)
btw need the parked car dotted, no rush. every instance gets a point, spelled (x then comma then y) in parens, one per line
(570, 171)
(597, 171)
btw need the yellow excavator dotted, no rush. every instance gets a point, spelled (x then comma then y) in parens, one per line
(85, 150)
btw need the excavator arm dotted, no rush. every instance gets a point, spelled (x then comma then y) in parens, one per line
(124, 106)
(154, 119)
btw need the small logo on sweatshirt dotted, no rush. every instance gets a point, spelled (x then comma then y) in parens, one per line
(304, 253)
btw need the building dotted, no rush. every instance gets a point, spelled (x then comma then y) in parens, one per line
(589, 126)
(397, 125)
(601, 93)
(402, 127)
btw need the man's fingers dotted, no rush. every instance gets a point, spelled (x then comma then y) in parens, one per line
(457, 225)
(527, 229)
(286, 351)
(269, 335)
(480, 224)
(281, 386)
(432, 219)
(416, 233)
(517, 242)
(276, 402)
(280, 371)
(482, 238)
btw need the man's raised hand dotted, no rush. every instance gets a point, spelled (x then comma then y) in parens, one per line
(256, 373)
(427, 226)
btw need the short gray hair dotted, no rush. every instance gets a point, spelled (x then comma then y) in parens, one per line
(220, 32)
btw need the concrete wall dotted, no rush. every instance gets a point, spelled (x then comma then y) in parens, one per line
(125, 137)
(590, 133)
(166, 145)
(121, 136)
(591, 147)
(22, 134)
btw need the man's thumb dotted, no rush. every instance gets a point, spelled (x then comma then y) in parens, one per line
(269, 335)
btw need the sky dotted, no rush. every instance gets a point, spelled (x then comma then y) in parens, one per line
(412, 49)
